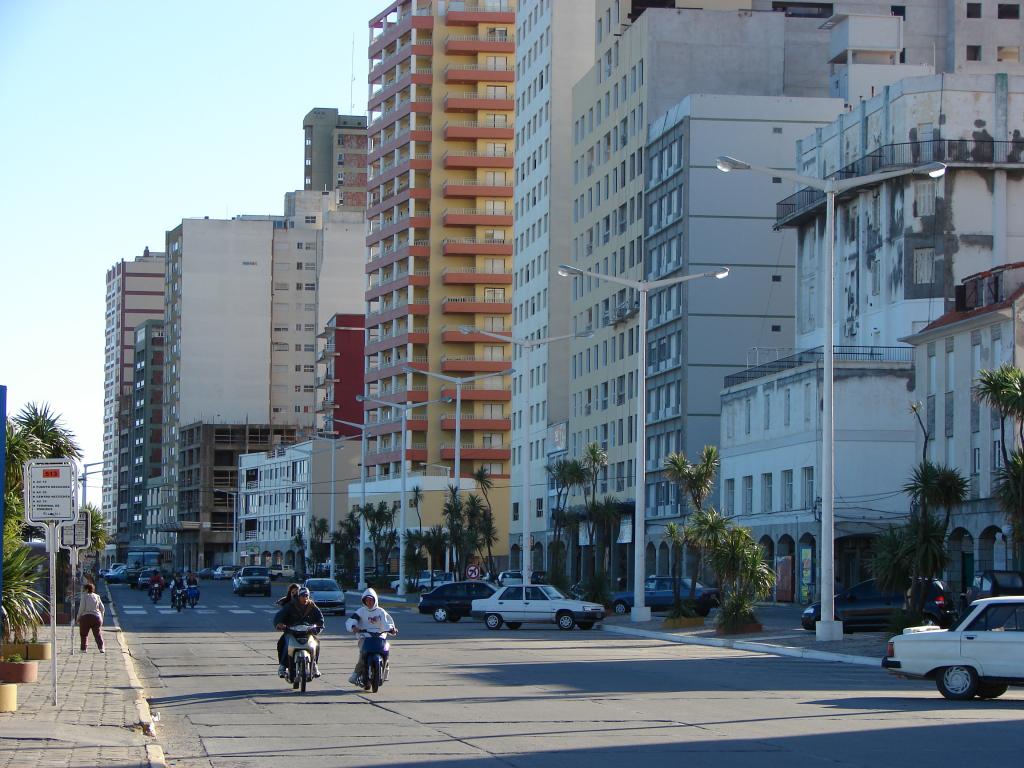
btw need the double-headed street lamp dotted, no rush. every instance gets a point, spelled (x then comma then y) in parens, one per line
(528, 345)
(404, 408)
(640, 611)
(459, 382)
(361, 581)
(828, 628)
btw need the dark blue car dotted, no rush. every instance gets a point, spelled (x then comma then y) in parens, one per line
(659, 596)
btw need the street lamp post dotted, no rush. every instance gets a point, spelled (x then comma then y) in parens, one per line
(528, 345)
(640, 611)
(361, 581)
(405, 408)
(828, 629)
(333, 441)
(459, 382)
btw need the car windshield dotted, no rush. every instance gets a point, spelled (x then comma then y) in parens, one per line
(553, 593)
(323, 585)
(256, 572)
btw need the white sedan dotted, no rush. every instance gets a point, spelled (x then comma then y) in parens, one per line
(981, 655)
(539, 603)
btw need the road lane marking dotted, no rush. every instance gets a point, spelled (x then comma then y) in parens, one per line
(240, 610)
(204, 610)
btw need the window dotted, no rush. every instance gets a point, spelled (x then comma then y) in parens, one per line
(924, 266)
(729, 497)
(999, 618)
(808, 488)
(974, 10)
(924, 197)
(515, 510)
(974, 53)
(1009, 53)
(1008, 11)
(787, 490)
(766, 492)
(311, 219)
(748, 494)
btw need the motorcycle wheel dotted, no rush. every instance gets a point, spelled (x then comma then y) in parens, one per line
(375, 674)
(299, 673)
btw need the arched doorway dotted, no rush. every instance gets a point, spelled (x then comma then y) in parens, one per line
(664, 560)
(960, 571)
(537, 560)
(650, 560)
(515, 559)
(991, 549)
(289, 559)
(265, 558)
(785, 569)
(806, 580)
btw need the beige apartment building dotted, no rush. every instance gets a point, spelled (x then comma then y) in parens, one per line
(439, 238)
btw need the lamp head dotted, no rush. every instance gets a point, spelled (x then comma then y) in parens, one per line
(726, 164)
(465, 330)
(585, 335)
(566, 270)
(722, 273)
(448, 399)
(935, 170)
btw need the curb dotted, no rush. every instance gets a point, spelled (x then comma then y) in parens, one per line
(155, 755)
(141, 703)
(746, 645)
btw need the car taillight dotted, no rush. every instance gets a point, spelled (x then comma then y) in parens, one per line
(940, 600)
(890, 649)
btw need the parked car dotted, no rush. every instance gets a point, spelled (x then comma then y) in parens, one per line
(453, 601)
(252, 579)
(115, 575)
(995, 584)
(981, 655)
(278, 571)
(508, 578)
(424, 581)
(113, 567)
(541, 603)
(865, 606)
(223, 572)
(204, 573)
(659, 596)
(327, 595)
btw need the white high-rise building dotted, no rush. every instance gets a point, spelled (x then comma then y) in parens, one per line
(551, 57)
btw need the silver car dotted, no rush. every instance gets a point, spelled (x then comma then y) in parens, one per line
(327, 595)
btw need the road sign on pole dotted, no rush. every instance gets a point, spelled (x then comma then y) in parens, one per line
(50, 486)
(77, 534)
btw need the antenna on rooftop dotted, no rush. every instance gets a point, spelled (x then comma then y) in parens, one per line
(352, 82)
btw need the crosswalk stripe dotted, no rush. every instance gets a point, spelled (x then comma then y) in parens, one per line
(204, 611)
(240, 610)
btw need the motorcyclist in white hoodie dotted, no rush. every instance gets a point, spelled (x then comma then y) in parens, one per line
(369, 616)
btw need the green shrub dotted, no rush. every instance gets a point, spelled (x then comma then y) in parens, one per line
(737, 609)
(14, 658)
(902, 619)
(596, 590)
(687, 609)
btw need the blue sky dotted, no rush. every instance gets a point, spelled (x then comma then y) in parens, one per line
(122, 118)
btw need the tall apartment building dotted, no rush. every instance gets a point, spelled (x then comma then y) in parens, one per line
(134, 295)
(146, 429)
(335, 156)
(340, 374)
(439, 242)
(550, 58)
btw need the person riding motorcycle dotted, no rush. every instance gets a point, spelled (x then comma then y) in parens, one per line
(177, 586)
(191, 580)
(156, 584)
(369, 616)
(302, 610)
(289, 597)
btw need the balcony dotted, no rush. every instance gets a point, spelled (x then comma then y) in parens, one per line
(473, 129)
(394, 197)
(473, 276)
(476, 217)
(387, 33)
(481, 391)
(474, 188)
(455, 335)
(387, 369)
(392, 426)
(473, 101)
(419, 76)
(422, 47)
(497, 43)
(479, 452)
(385, 145)
(421, 277)
(415, 452)
(791, 211)
(379, 230)
(474, 73)
(472, 423)
(388, 255)
(473, 364)
(389, 169)
(470, 13)
(470, 160)
(472, 305)
(471, 246)
(394, 311)
(396, 395)
(392, 339)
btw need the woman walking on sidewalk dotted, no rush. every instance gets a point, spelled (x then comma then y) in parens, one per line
(90, 617)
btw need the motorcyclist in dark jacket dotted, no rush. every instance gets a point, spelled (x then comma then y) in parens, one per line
(302, 610)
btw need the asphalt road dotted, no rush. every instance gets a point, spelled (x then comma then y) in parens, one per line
(460, 695)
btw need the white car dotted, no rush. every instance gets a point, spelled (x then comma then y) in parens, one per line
(981, 655)
(540, 603)
(224, 572)
(423, 580)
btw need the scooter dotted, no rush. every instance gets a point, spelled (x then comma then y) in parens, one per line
(193, 596)
(300, 646)
(155, 591)
(178, 598)
(376, 651)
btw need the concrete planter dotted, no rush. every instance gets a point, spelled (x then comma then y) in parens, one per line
(38, 651)
(12, 649)
(683, 622)
(19, 671)
(8, 697)
(742, 629)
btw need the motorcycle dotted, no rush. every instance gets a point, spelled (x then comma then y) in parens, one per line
(376, 651)
(193, 596)
(301, 645)
(155, 592)
(178, 599)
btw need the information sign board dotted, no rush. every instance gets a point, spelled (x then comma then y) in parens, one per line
(76, 535)
(50, 486)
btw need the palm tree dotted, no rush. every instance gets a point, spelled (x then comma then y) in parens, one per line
(488, 537)
(48, 427)
(704, 531)
(318, 531)
(1009, 482)
(951, 490)
(745, 575)
(97, 528)
(696, 480)
(676, 539)
(482, 476)
(417, 497)
(474, 510)
(594, 461)
(435, 541)
(454, 522)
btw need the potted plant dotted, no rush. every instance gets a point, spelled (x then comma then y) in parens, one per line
(15, 669)
(746, 578)
(22, 605)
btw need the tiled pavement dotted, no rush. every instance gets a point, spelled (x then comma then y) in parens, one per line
(95, 721)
